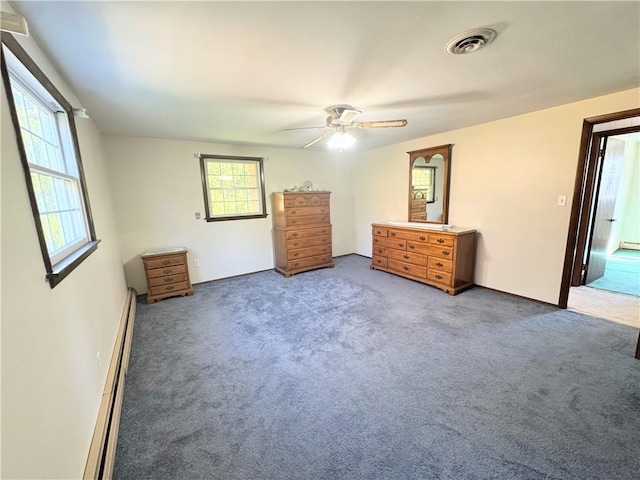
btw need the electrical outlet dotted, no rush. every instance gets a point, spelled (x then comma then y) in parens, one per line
(197, 215)
(196, 263)
(562, 200)
(99, 360)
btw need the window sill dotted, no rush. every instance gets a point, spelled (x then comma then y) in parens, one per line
(63, 268)
(239, 217)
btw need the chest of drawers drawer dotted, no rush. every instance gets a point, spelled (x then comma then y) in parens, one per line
(309, 242)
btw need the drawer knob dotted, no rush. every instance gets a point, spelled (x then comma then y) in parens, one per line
(393, 234)
(439, 264)
(169, 287)
(379, 261)
(379, 250)
(294, 221)
(423, 238)
(166, 262)
(406, 268)
(406, 257)
(400, 244)
(412, 246)
(324, 231)
(441, 240)
(439, 277)
(324, 249)
(296, 264)
(295, 234)
(293, 212)
(295, 244)
(375, 240)
(168, 279)
(166, 270)
(296, 254)
(378, 232)
(445, 252)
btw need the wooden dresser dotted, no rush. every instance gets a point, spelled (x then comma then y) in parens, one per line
(301, 231)
(442, 258)
(167, 273)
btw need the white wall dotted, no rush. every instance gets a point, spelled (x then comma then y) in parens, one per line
(51, 382)
(506, 177)
(157, 189)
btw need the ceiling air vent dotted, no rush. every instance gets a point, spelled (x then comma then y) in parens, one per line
(470, 41)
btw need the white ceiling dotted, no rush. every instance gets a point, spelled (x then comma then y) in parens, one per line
(239, 72)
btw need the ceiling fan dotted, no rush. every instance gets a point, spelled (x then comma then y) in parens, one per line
(341, 119)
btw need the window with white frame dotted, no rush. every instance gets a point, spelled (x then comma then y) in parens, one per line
(48, 145)
(233, 187)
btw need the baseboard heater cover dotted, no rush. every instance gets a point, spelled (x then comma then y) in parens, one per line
(630, 245)
(102, 452)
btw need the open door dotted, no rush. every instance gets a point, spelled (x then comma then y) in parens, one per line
(609, 168)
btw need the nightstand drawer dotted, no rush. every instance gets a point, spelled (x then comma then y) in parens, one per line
(166, 280)
(161, 272)
(172, 288)
(165, 261)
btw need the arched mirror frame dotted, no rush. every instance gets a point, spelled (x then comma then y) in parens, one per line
(427, 154)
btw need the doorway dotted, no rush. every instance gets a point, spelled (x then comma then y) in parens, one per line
(590, 247)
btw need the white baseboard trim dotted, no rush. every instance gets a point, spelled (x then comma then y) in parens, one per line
(102, 452)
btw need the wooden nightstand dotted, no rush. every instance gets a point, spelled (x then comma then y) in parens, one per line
(167, 273)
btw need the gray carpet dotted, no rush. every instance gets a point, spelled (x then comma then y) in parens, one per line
(349, 373)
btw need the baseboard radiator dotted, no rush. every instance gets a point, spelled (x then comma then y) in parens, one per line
(102, 452)
(630, 245)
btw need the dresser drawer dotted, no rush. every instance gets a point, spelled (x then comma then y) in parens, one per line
(413, 258)
(306, 200)
(308, 252)
(419, 237)
(166, 280)
(307, 220)
(398, 244)
(300, 211)
(174, 287)
(380, 251)
(309, 262)
(436, 263)
(308, 242)
(438, 276)
(161, 272)
(308, 232)
(431, 250)
(407, 268)
(165, 261)
(379, 261)
(380, 232)
(445, 240)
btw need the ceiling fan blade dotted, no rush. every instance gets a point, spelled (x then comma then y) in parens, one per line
(313, 142)
(301, 128)
(381, 124)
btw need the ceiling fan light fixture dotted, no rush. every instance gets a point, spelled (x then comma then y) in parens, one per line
(341, 140)
(470, 41)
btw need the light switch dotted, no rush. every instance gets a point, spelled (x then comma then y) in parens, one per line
(197, 215)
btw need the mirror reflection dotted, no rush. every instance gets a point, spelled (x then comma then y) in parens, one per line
(429, 184)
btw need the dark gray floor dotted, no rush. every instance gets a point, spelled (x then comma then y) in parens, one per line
(349, 373)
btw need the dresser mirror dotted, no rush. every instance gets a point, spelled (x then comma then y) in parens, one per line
(429, 184)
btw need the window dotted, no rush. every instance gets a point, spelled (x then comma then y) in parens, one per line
(233, 187)
(48, 145)
(424, 178)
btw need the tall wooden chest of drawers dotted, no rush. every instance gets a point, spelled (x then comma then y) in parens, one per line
(167, 273)
(443, 258)
(301, 231)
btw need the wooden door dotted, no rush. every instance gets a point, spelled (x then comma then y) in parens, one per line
(611, 161)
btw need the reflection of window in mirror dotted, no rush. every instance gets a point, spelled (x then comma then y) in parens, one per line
(424, 181)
